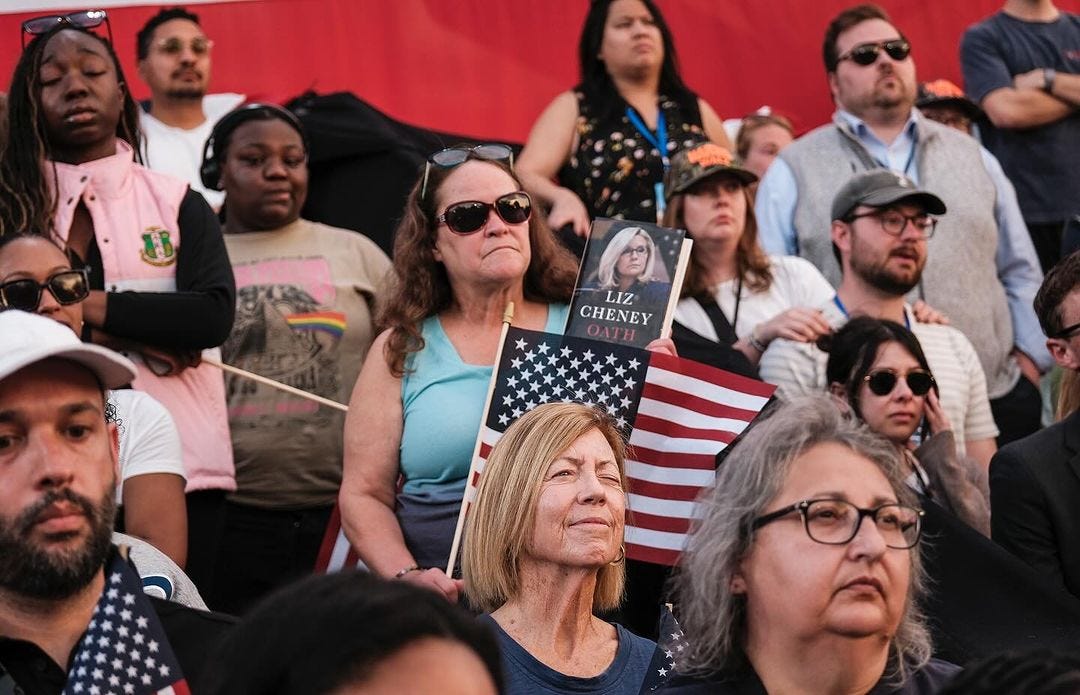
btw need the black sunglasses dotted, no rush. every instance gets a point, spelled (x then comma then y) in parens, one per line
(867, 53)
(86, 19)
(66, 287)
(883, 381)
(469, 216)
(459, 154)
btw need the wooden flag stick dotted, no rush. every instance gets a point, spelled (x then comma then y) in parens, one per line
(274, 384)
(508, 316)
(676, 286)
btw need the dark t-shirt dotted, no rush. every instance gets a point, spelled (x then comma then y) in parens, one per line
(1041, 162)
(525, 675)
(926, 681)
(193, 636)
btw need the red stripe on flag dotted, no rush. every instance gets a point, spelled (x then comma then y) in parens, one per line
(735, 382)
(180, 687)
(694, 402)
(664, 491)
(646, 423)
(700, 462)
(658, 523)
(657, 556)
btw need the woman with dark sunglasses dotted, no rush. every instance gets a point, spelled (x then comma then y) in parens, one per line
(609, 138)
(161, 288)
(878, 369)
(468, 244)
(305, 301)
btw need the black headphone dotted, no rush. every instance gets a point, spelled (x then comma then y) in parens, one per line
(210, 169)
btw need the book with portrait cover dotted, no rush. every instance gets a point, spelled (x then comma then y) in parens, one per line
(629, 282)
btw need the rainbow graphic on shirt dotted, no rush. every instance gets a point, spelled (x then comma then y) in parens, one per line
(332, 322)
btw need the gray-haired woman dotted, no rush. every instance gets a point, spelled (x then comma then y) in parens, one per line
(804, 573)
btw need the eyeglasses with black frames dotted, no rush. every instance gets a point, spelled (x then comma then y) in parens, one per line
(837, 522)
(894, 222)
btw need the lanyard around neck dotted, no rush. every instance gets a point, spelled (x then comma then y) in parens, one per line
(657, 139)
(843, 310)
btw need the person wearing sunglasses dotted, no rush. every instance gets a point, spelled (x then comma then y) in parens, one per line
(878, 369)
(608, 139)
(984, 271)
(804, 574)
(469, 243)
(882, 223)
(306, 298)
(161, 287)
(174, 59)
(36, 277)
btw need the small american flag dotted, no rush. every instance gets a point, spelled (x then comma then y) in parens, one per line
(125, 650)
(670, 645)
(680, 415)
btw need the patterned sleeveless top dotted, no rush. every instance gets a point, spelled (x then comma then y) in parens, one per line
(614, 168)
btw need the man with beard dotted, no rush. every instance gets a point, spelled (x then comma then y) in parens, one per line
(881, 225)
(983, 272)
(174, 62)
(72, 612)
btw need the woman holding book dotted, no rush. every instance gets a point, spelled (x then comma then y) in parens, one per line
(468, 245)
(733, 292)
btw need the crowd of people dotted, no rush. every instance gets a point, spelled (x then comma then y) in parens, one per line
(197, 384)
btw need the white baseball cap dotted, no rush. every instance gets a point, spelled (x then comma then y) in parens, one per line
(28, 338)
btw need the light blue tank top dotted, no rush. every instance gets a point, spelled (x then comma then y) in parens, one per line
(442, 400)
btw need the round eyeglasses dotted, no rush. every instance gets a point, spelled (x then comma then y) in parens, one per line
(836, 522)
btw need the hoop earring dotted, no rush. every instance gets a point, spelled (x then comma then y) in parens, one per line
(622, 556)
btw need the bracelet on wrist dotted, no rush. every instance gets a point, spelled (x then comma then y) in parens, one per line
(754, 342)
(405, 570)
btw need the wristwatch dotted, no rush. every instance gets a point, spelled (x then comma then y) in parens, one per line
(1048, 80)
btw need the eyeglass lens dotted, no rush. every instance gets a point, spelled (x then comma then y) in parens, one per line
(87, 19)
(469, 216)
(836, 522)
(67, 287)
(199, 46)
(883, 382)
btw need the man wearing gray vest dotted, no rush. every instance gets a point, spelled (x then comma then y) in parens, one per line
(982, 270)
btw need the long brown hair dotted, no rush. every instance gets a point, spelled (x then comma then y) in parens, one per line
(751, 263)
(420, 288)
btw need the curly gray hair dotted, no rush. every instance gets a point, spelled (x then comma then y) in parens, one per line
(714, 618)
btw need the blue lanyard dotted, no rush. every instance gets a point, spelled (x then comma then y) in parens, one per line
(911, 155)
(657, 139)
(843, 310)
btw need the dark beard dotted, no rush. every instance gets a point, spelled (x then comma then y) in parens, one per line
(888, 283)
(33, 572)
(189, 93)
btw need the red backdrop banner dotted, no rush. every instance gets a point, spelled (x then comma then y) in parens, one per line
(488, 68)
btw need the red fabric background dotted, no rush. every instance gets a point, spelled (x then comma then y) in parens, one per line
(488, 68)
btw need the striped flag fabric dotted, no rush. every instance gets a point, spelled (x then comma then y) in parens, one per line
(679, 415)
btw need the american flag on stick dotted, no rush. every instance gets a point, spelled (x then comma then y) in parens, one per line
(679, 414)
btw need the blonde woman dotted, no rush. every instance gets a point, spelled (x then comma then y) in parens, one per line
(544, 552)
